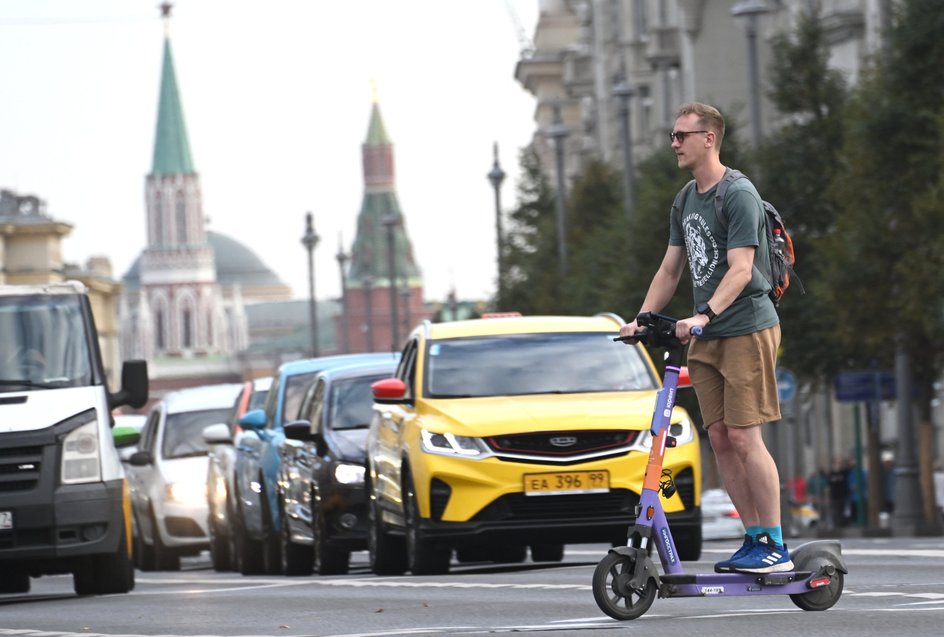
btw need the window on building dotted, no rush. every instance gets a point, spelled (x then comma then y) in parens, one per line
(159, 330)
(181, 218)
(187, 327)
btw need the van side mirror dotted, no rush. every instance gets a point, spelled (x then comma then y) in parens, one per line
(134, 385)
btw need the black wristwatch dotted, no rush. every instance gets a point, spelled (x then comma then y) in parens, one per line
(705, 309)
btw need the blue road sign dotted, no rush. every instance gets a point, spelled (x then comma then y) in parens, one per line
(786, 384)
(868, 385)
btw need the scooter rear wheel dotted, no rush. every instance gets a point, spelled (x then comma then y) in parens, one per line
(613, 593)
(823, 597)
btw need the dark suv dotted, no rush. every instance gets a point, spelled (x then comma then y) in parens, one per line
(321, 478)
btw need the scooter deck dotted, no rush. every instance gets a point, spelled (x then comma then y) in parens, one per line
(701, 585)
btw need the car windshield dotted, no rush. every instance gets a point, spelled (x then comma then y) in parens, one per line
(516, 364)
(183, 432)
(43, 342)
(352, 402)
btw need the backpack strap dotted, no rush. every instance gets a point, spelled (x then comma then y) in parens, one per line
(730, 176)
(679, 203)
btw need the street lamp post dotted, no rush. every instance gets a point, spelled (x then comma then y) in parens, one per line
(310, 240)
(407, 295)
(496, 176)
(624, 92)
(558, 132)
(342, 266)
(748, 12)
(368, 326)
(390, 223)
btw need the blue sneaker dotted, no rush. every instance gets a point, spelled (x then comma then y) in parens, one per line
(766, 556)
(724, 566)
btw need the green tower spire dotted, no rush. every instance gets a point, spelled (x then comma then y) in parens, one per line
(171, 145)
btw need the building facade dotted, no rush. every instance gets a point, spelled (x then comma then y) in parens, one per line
(588, 56)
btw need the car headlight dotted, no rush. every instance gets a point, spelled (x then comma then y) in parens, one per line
(349, 473)
(187, 492)
(686, 434)
(81, 458)
(448, 444)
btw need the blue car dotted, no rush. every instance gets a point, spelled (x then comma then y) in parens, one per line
(257, 527)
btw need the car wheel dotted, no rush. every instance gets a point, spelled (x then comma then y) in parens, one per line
(165, 559)
(688, 542)
(271, 538)
(387, 552)
(248, 552)
(143, 552)
(106, 574)
(296, 558)
(330, 559)
(547, 552)
(422, 557)
(219, 548)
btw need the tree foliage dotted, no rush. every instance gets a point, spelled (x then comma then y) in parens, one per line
(798, 162)
(886, 257)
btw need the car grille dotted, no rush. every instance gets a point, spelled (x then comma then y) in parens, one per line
(561, 446)
(20, 468)
(519, 507)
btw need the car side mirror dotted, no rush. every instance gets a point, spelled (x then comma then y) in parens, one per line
(298, 430)
(141, 459)
(217, 434)
(389, 391)
(255, 420)
(125, 436)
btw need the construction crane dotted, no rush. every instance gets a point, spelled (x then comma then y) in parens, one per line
(525, 44)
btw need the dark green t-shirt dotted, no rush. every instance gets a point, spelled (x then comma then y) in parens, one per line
(707, 240)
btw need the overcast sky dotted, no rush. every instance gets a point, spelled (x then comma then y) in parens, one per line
(276, 97)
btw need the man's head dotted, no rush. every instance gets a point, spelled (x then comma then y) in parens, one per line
(698, 132)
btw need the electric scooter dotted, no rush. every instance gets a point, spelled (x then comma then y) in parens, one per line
(626, 581)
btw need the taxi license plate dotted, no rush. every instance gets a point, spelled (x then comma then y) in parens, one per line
(6, 520)
(566, 482)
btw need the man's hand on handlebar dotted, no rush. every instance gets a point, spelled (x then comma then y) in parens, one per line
(683, 329)
(627, 331)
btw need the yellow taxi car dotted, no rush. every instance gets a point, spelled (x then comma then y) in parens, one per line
(500, 434)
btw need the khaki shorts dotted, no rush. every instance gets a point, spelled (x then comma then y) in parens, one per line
(735, 378)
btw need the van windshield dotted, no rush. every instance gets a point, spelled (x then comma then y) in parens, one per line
(43, 342)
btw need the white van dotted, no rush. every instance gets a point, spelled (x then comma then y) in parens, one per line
(64, 502)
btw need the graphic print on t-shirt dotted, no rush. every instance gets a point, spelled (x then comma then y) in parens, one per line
(702, 248)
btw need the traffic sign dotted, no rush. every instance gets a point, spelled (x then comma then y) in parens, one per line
(786, 384)
(878, 384)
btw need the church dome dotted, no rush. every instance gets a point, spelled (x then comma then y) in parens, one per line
(235, 264)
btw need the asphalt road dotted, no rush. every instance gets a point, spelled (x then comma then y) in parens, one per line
(895, 586)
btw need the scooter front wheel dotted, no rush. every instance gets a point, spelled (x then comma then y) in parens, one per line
(613, 592)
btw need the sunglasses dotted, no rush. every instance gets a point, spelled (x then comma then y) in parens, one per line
(680, 135)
